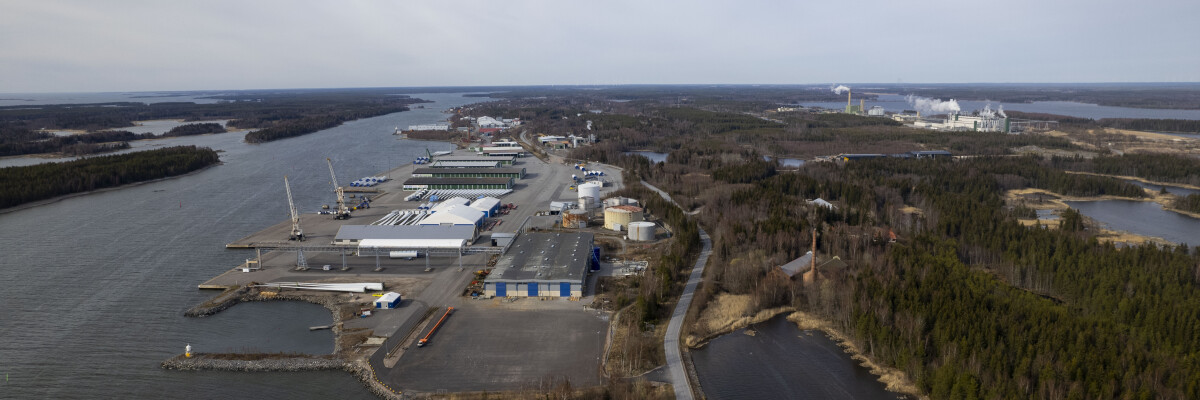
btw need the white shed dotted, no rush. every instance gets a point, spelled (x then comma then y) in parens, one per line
(455, 215)
(389, 300)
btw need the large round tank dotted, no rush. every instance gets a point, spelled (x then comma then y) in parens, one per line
(621, 216)
(641, 231)
(575, 219)
(589, 190)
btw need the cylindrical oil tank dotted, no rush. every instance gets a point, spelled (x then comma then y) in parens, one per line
(621, 216)
(575, 219)
(641, 231)
(588, 203)
(589, 190)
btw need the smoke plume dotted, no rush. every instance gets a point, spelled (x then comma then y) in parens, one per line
(930, 106)
(839, 89)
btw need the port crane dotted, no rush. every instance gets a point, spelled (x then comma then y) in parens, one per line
(342, 211)
(297, 233)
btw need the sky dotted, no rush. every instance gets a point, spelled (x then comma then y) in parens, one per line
(155, 45)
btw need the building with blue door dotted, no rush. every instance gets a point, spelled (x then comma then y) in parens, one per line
(542, 265)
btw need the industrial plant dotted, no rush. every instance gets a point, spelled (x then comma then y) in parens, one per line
(944, 115)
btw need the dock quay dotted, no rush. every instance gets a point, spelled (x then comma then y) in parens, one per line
(430, 273)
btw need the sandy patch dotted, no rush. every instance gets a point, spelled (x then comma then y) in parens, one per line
(727, 313)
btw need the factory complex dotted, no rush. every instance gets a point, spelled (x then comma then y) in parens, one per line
(940, 115)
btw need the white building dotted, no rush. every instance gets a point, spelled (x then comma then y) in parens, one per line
(457, 215)
(419, 237)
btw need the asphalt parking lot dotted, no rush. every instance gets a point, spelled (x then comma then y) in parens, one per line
(488, 346)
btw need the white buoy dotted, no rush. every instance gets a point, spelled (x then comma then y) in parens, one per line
(187, 351)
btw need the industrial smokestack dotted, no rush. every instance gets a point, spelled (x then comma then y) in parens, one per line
(814, 254)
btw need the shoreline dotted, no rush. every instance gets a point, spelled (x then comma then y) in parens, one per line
(52, 200)
(894, 380)
(1058, 202)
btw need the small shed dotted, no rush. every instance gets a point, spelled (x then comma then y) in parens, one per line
(389, 300)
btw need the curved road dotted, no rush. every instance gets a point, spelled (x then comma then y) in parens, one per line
(676, 370)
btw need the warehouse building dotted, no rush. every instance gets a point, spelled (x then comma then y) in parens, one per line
(405, 236)
(503, 160)
(451, 202)
(514, 172)
(542, 265)
(489, 205)
(456, 215)
(458, 183)
(465, 164)
(503, 152)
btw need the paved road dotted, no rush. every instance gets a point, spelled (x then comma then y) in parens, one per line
(676, 370)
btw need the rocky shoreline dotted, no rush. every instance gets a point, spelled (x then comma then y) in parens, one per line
(267, 363)
(280, 363)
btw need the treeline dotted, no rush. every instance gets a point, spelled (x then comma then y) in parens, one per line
(244, 110)
(1148, 124)
(308, 124)
(1156, 96)
(710, 122)
(1189, 203)
(1137, 124)
(19, 141)
(292, 129)
(1155, 167)
(195, 129)
(20, 185)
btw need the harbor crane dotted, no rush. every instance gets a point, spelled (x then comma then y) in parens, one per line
(297, 233)
(342, 211)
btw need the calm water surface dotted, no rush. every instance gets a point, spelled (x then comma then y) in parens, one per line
(95, 286)
(1175, 190)
(654, 157)
(782, 362)
(1143, 218)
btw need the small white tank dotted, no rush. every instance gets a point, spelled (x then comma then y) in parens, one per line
(641, 231)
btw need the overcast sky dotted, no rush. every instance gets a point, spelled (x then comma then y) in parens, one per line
(117, 45)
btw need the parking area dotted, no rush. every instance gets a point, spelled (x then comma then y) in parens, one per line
(489, 345)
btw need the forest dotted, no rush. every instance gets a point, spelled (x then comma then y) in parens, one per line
(19, 185)
(1136, 124)
(195, 129)
(967, 302)
(281, 113)
(1166, 96)
(20, 141)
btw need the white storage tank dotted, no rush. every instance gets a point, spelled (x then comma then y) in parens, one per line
(641, 231)
(589, 190)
